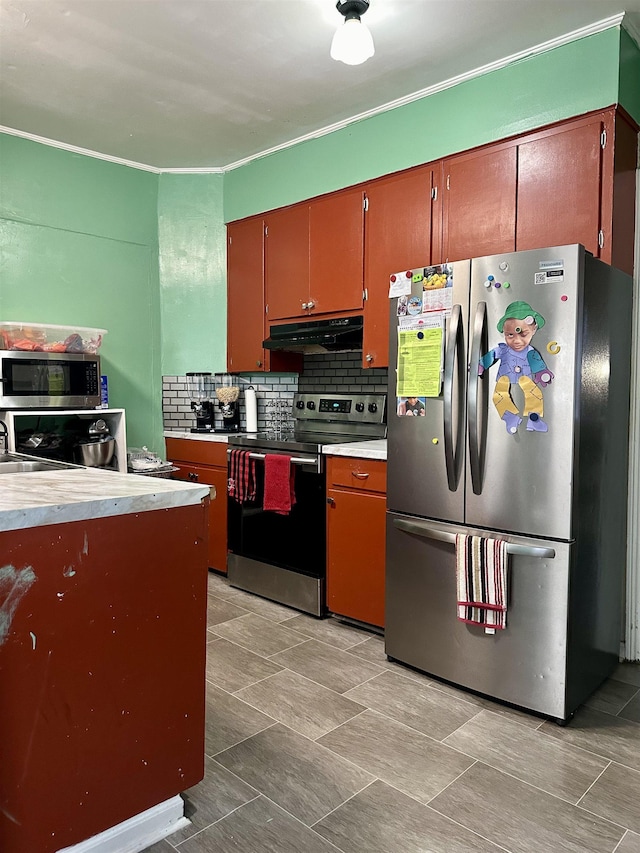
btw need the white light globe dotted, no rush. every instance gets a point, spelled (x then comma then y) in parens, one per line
(352, 43)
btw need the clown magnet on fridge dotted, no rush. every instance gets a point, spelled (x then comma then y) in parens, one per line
(520, 364)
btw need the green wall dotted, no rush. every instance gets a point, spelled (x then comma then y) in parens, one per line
(78, 245)
(630, 75)
(87, 242)
(567, 81)
(192, 248)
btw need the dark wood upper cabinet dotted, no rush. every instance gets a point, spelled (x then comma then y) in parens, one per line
(246, 326)
(336, 237)
(573, 182)
(397, 236)
(479, 203)
(559, 187)
(245, 296)
(287, 262)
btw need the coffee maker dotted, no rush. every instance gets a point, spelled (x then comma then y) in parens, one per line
(200, 391)
(228, 392)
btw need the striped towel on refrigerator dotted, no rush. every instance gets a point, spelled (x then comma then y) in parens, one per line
(481, 576)
(241, 485)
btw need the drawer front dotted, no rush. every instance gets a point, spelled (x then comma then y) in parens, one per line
(198, 452)
(367, 475)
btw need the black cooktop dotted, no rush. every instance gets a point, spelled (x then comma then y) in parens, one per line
(299, 442)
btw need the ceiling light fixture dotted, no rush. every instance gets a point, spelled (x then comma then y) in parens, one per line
(352, 42)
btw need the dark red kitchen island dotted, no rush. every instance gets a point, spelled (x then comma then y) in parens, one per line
(103, 585)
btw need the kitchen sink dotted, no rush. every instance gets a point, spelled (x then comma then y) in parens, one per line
(15, 463)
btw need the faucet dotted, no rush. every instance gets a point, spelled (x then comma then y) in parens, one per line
(5, 433)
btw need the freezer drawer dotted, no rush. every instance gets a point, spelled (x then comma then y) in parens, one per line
(526, 664)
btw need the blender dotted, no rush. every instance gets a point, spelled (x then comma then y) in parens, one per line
(200, 391)
(228, 392)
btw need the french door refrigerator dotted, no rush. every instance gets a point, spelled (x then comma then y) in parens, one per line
(526, 441)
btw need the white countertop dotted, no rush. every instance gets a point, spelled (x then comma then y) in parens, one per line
(36, 498)
(200, 436)
(374, 449)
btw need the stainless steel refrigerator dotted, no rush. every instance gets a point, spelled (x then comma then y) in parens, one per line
(533, 451)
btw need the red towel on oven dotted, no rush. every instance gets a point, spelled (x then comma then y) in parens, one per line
(481, 575)
(241, 485)
(279, 494)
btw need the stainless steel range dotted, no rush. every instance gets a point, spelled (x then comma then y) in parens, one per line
(283, 557)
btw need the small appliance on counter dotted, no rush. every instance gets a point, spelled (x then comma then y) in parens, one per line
(200, 391)
(141, 460)
(228, 393)
(49, 367)
(96, 449)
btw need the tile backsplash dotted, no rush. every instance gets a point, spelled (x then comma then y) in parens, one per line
(339, 373)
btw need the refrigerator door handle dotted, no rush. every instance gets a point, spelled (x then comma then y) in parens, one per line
(476, 461)
(454, 356)
(444, 536)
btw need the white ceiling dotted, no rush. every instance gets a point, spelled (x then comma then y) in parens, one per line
(209, 83)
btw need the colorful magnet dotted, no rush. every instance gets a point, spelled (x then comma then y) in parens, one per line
(413, 406)
(553, 347)
(414, 305)
(563, 298)
(418, 276)
(434, 441)
(506, 285)
(522, 365)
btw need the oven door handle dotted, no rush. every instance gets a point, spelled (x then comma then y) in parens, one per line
(295, 460)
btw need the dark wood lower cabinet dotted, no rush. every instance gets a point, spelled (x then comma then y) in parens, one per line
(206, 462)
(356, 509)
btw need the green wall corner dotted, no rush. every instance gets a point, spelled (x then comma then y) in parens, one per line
(192, 258)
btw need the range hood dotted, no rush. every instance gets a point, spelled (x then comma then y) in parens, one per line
(340, 335)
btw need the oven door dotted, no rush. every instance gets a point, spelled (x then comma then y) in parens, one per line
(282, 557)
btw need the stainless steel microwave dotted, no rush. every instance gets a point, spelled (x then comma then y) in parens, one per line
(47, 380)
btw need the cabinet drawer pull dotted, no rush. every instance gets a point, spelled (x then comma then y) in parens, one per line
(305, 305)
(193, 476)
(360, 475)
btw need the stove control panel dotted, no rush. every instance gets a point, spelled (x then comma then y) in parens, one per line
(353, 409)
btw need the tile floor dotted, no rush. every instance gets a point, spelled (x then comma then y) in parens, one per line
(316, 743)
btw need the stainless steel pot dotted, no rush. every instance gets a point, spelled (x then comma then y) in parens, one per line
(96, 453)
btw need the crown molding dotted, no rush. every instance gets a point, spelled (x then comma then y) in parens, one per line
(616, 20)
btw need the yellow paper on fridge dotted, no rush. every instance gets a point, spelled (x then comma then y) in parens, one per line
(420, 354)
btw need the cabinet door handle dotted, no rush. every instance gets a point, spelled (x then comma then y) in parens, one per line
(193, 476)
(368, 357)
(331, 501)
(311, 304)
(305, 305)
(360, 475)
(258, 363)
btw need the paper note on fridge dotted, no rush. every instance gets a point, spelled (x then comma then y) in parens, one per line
(399, 285)
(420, 354)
